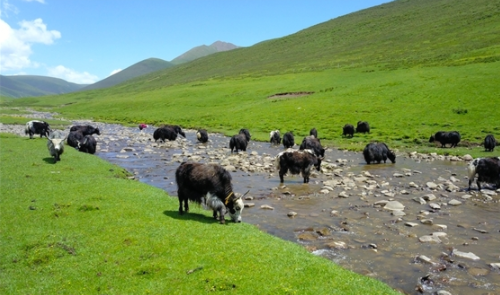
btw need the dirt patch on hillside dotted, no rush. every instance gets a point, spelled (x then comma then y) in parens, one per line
(291, 94)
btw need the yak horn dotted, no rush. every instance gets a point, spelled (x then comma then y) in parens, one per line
(245, 193)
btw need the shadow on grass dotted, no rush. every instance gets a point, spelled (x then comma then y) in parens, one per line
(190, 216)
(49, 160)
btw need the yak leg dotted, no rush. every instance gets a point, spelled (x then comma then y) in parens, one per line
(215, 214)
(221, 214)
(183, 199)
(283, 171)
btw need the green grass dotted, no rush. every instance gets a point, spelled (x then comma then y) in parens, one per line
(19, 120)
(82, 227)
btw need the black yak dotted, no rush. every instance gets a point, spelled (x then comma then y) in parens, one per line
(313, 143)
(275, 137)
(74, 138)
(240, 141)
(489, 143)
(165, 133)
(348, 130)
(444, 138)
(377, 152)
(288, 140)
(87, 145)
(177, 129)
(363, 127)
(297, 162)
(487, 170)
(85, 129)
(202, 135)
(37, 127)
(313, 132)
(197, 181)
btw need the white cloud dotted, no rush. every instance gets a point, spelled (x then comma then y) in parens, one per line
(71, 75)
(15, 45)
(114, 72)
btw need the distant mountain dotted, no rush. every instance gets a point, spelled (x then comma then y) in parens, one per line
(138, 69)
(203, 50)
(30, 85)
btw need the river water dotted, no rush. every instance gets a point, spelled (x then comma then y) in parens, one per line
(340, 214)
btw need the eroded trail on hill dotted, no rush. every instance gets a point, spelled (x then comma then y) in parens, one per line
(443, 238)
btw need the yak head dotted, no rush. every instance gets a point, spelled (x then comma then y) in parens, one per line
(392, 156)
(235, 206)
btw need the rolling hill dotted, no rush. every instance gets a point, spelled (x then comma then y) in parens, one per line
(138, 69)
(203, 50)
(30, 85)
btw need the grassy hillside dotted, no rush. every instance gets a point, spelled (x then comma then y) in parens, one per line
(29, 85)
(409, 68)
(138, 69)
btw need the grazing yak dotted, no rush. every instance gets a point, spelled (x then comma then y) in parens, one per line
(348, 130)
(240, 141)
(313, 143)
(275, 137)
(85, 129)
(363, 127)
(377, 152)
(489, 143)
(177, 129)
(37, 127)
(313, 132)
(165, 133)
(297, 162)
(444, 138)
(288, 140)
(197, 181)
(202, 135)
(487, 170)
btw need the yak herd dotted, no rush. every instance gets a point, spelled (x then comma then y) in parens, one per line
(210, 184)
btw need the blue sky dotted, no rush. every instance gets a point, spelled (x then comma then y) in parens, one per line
(84, 41)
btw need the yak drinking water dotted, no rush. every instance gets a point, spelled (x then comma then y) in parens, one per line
(209, 182)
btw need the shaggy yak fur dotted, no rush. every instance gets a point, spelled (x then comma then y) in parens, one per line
(275, 137)
(297, 162)
(240, 141)
(487, 170)
(85, 129)
(288, 140)
(165, 133)
(489, 143)
(363, 127)
(452, 137)
(313, 132)
(202, 135)
(348, 130)
(377, 152)
(37, 127)
(210, 183)
(313, 143)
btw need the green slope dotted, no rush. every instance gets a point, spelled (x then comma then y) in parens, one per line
(138, 69)
(31, 85)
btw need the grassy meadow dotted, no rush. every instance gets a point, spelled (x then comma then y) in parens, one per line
(404, 107)
(108, 234)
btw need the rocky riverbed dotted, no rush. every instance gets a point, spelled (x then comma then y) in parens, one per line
(410, 224)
